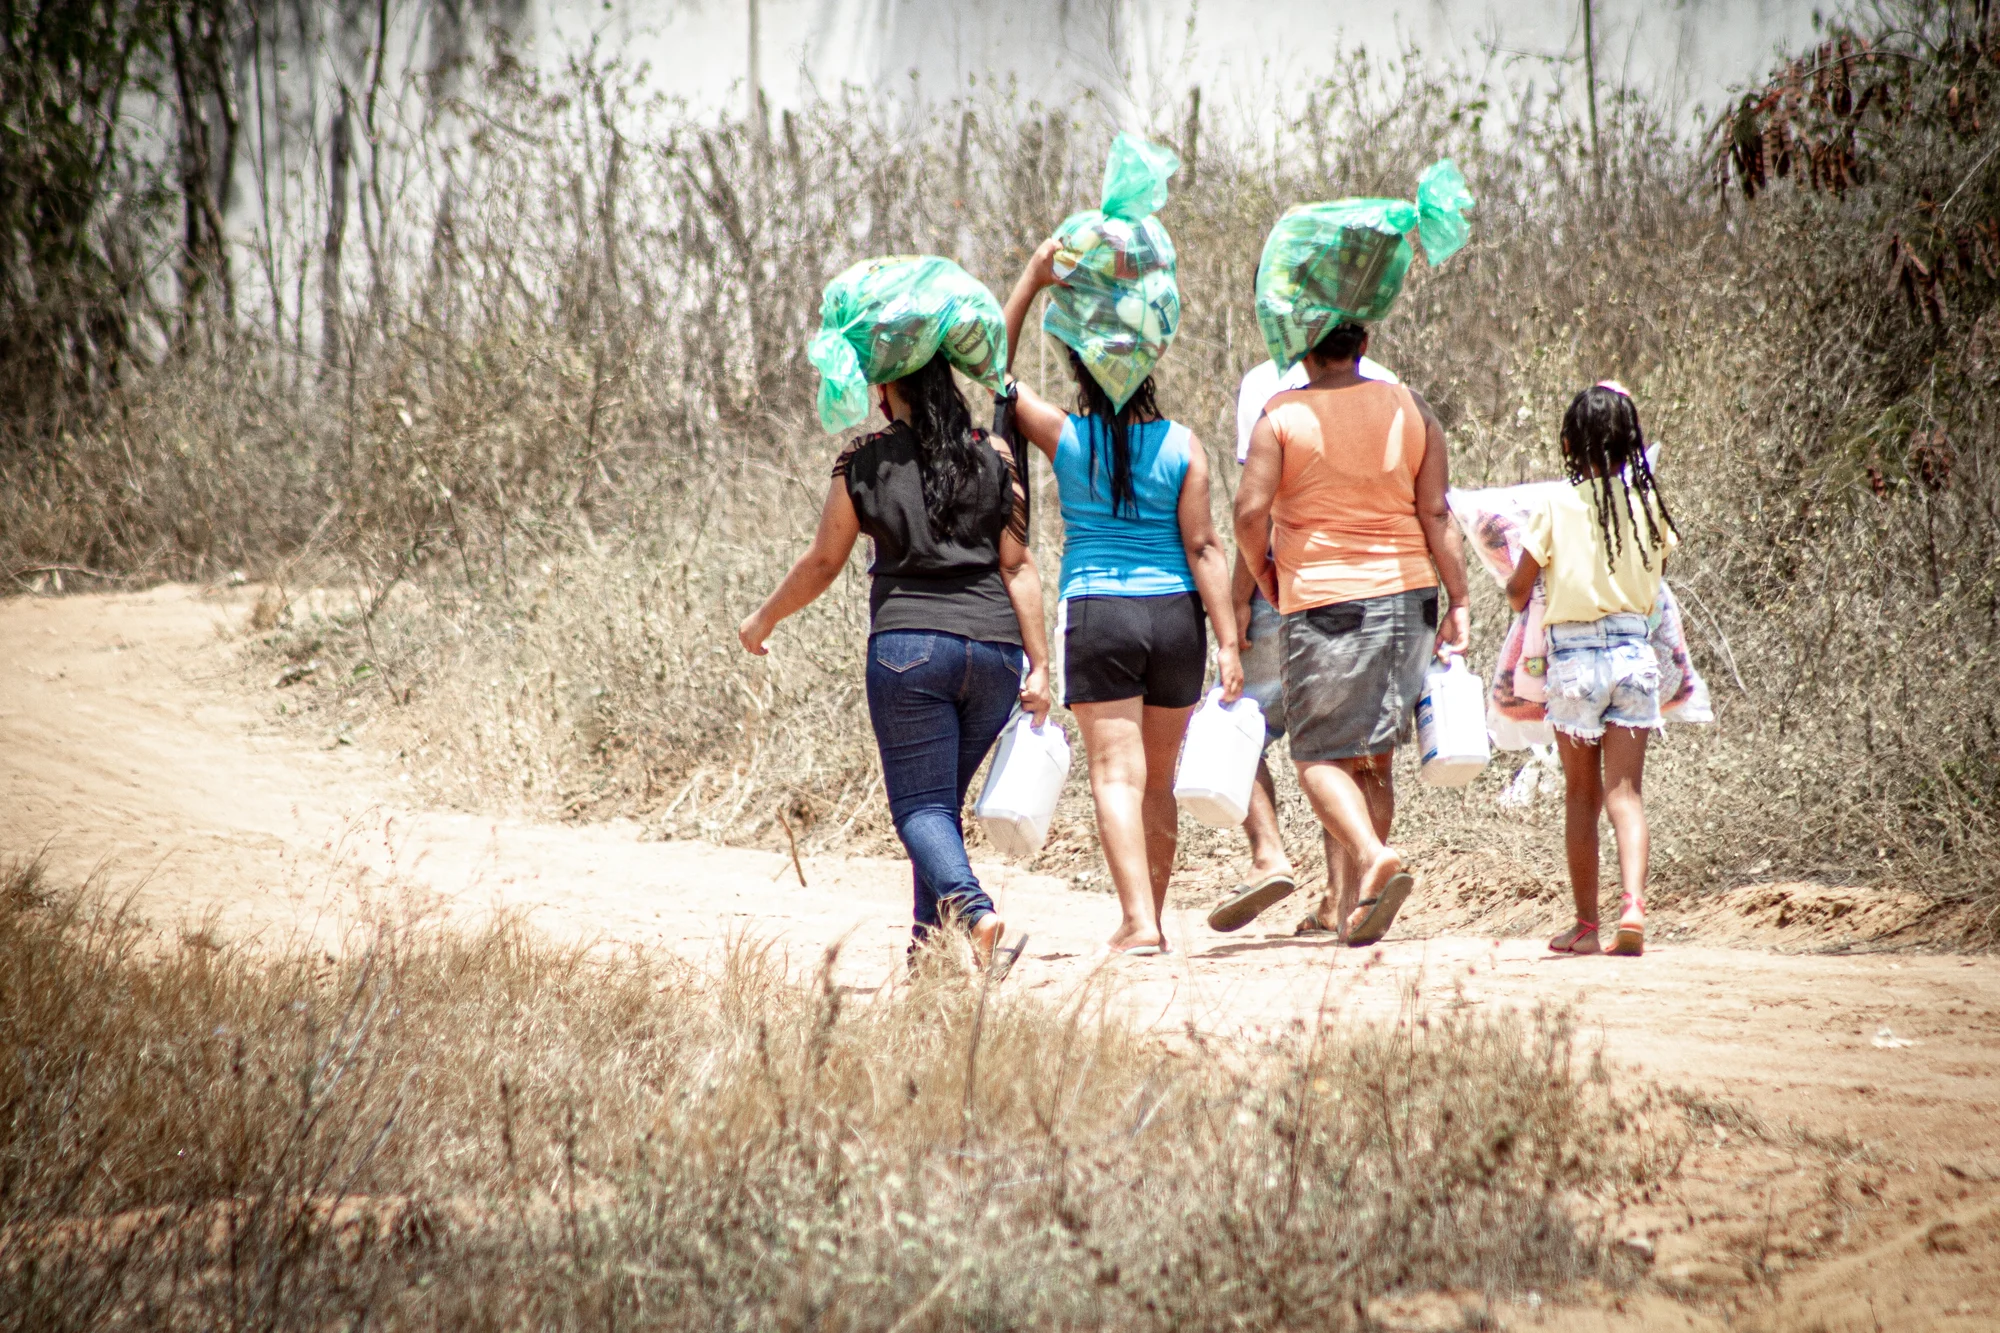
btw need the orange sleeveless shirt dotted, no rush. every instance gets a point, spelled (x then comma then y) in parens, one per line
(1344, 522)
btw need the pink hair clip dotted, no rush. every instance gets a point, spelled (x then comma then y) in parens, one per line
(1615, 387)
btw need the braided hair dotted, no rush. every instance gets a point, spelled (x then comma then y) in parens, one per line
(1112, 426)
(948, 456)
(1602, 445)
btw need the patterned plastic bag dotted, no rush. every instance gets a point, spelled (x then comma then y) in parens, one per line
(885, 318)
(1344, 261)
(1492, 519)
(1119, 305)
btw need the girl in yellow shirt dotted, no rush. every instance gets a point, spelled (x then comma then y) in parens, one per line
(1600, 548)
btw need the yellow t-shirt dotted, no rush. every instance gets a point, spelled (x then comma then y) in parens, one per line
(1581, 581)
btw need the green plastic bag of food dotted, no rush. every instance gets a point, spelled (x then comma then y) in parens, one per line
(1118, 305)
(1344, 261)
(884, 318)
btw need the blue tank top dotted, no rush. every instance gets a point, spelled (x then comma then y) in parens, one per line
(1129, 554)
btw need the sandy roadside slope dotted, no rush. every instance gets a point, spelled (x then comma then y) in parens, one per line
(129, 741)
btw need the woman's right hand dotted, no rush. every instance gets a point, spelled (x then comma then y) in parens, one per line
(1041, 269)
(752, 633)
(1229, 673)
(1035, 700)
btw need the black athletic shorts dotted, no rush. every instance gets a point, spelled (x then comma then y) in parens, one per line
(1151, 648)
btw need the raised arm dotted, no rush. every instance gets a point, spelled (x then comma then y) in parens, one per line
(1441, 534)
(812, 574)
(1210, 566)
(1039, 421)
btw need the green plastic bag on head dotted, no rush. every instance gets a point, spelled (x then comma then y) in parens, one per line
(1119, 304)
(885, 318)
(1344, 261)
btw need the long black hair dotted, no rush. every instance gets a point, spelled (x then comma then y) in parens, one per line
(948, 454)
(1602, 443)
(1111, 428)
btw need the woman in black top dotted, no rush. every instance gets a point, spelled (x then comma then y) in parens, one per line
(954, 606)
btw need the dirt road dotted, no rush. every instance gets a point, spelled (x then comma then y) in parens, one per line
(1847, 1175)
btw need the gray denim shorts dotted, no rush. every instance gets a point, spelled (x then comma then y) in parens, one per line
(1354, 671)
(1264, 666)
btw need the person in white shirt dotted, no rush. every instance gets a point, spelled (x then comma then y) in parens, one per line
(1270, 879)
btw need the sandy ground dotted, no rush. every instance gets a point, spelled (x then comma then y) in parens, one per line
(1848, 1170)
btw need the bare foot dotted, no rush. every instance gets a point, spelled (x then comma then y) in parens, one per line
(1130, 937)
(1387, 864)
(1323, 917)
(986, 934)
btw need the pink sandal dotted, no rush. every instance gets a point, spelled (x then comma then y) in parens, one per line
(1580, 938)
(1630, 941)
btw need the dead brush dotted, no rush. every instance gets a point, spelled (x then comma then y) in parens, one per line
(435, 1130)
(567, 440)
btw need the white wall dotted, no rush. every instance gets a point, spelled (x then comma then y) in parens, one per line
(1139, 57)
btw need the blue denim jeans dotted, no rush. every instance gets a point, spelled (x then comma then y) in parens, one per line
(938, 702)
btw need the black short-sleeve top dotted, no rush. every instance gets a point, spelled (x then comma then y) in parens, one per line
(923, 579)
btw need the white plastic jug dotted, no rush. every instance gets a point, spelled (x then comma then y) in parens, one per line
(1451, 725)
(1219, 760)
(1023, 785)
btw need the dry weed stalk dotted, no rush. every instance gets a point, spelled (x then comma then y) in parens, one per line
(437, 1129)
(569, 440)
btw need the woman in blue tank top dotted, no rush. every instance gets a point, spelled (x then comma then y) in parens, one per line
(1142, 570)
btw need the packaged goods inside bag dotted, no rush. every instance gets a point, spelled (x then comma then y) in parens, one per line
(885, 318)
(1118, 304)
(1492, 519)
(1344, 261)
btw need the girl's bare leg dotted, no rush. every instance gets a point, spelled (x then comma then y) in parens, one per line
(1624, 802)
(1583, 801)
(1115, 737)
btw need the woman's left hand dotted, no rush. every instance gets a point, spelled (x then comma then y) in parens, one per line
(1229, 672)
(752, 633)
(1035, 701)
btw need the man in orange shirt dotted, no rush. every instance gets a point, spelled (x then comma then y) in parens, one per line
(1341, 517)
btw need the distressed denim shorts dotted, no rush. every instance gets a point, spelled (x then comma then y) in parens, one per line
(1602, 673)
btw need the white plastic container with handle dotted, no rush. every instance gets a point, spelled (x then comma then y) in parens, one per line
(1219, 760)
(1452, 745)
(1023, 785)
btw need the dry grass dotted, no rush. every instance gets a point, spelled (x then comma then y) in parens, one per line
(488, 1131)
(571, 447)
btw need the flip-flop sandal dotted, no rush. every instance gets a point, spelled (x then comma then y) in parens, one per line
(1630, 941)
(1250, 899)
(1381, 911)
(1004, 958)
(1566, 942)
(1310, 926)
